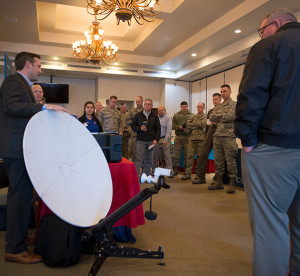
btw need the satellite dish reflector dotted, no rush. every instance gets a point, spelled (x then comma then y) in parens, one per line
(67, 168)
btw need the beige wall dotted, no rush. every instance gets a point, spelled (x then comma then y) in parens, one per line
(204, 89)
(167, 92)
(128, 89)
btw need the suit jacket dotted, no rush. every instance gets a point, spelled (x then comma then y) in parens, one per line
(17, 106)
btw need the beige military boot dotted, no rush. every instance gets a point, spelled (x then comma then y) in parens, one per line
(231, 187)
(186, 177)
(175, 171)
(218, 185)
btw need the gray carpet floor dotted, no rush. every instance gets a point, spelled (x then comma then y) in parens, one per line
(201, 232)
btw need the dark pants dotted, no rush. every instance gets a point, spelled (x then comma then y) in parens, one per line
(207, 147)
(144, 156)
(19, 199)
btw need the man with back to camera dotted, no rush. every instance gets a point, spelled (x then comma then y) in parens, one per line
(207, 144)
(196, 125)
(267, 122)
(182, 134)
(128, 122)
(110, 117)
(225, 146)
(17, 106)
(147, 126)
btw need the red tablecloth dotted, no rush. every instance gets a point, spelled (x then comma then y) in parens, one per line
(209, 169)
(125, 186)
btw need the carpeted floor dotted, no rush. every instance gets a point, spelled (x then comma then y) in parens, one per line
(201, 232)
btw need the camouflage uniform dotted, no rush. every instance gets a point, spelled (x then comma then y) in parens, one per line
(181, 138)
(133, 135)
(225, 146)
(126, 135)
(196, 124)
(110, 119)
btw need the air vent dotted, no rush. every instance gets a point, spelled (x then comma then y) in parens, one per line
(11, 19)
(244, 55)
(155, 72)
(197, 74)
(83, 66)
(50, 63)
(123, 70)
(221, 64)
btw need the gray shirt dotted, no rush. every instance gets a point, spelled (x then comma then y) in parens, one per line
(166, 127)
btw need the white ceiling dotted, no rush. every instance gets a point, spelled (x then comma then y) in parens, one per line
(160, 49)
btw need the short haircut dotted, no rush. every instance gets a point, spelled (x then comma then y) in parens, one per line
(217, 94)
(22, 58)
(113, 97)
(184, 103)
(36, 85)
(283, 15)
(149, 100)
(122, 103)
(140, 97)
(226, 85)
(201, 103)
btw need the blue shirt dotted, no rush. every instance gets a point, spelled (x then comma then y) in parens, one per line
(91, 125)
(30, 84)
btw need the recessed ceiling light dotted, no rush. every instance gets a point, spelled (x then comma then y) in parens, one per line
(55, 58)
(237, 31)
(194, 54)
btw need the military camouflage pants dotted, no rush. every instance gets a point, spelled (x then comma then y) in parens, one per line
(225, 148)
(193, 147)
(133, 147)
(180, 144)
(125, 144)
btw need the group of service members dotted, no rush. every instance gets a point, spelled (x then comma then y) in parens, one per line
(147, 136)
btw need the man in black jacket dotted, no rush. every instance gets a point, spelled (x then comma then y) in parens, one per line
(267, 122)
(147, 126)
(17, 106)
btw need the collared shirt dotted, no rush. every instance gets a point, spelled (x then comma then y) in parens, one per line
(29, 82)
(146, 113)
(91, 125)
(166, 126)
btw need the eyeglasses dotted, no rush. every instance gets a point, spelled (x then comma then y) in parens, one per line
(261, 30)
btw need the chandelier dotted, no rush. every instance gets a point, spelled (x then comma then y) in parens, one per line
(93, 48)
(140, 10)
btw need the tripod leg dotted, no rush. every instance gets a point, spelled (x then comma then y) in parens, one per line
(97, 265)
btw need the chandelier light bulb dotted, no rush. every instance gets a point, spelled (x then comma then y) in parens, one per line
(93, 48)
(125, 10)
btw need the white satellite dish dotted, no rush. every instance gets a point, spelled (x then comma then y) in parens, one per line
(67, 168)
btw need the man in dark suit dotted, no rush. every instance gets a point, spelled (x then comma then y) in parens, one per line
(17, 106)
